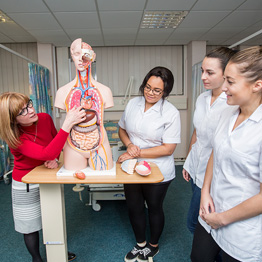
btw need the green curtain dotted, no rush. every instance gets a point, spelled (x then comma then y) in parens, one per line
(39, 86)
(4, 158)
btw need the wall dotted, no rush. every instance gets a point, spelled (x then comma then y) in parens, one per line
(14, 74)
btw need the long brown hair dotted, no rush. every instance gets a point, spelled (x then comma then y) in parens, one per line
(11, 104)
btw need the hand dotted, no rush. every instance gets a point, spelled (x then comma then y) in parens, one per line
(133, 150)
(51, 164)
(124, 157)
(213, 219)
(206, 205)
(186, 175)
(73, 117)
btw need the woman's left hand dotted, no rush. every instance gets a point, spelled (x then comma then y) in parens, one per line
(213, 220)
(51, 164)
(124, 157)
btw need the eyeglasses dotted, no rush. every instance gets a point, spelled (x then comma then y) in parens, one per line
(156, 92)
(24, 111)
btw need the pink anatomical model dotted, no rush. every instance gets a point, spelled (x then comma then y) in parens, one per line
(87, 143)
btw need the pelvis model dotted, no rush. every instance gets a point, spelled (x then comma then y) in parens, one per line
(87, 142)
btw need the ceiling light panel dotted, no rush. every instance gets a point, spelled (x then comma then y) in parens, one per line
(162, 19)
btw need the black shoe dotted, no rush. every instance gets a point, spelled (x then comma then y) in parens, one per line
(133, 254)
(71, 256)
(147, 252)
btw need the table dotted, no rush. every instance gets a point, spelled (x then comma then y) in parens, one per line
(53, 203)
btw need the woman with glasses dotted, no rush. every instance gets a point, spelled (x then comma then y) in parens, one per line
(150, 129)
(33, 141)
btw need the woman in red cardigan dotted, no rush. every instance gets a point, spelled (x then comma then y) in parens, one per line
(33, 140)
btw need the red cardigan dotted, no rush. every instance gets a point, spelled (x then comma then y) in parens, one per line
(47, 146)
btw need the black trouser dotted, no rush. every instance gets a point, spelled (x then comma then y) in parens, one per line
(154, 195)
(205, 249)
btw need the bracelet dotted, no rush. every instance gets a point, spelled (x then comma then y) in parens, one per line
(129, 144)
(57, 161)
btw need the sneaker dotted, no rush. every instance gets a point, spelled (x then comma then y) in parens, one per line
(71, 256)
(133, 254)
(147, 252)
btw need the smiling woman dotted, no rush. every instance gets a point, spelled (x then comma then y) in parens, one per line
(231, 197)
(33, 141)
(150, 128)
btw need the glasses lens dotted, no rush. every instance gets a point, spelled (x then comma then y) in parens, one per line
(24, 112)
(30, 103)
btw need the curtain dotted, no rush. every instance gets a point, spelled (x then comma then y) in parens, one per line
(39, 86)
(197, 87)
(4, 158)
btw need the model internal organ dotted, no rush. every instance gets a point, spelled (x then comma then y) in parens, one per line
(88, 135)
(143, 168)
(80, 175)
(128, 166)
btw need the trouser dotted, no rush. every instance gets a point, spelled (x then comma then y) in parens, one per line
(193, 211)
(154, 195)
(205, 249)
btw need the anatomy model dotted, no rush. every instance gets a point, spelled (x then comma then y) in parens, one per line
(87, 143)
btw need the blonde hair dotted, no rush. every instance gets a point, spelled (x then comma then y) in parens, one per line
(249, 62)
(11, 104)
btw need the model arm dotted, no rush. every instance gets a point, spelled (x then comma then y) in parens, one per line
(249, 208)
(186, 175)
(206, 202)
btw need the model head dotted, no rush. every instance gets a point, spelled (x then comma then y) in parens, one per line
(243, 77)
(15, 109)
(82, 54)
(157, 84)
(213, 67)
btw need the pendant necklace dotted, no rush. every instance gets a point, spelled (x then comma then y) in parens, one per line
(31, 134)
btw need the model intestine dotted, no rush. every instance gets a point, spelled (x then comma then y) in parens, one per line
(87, 135)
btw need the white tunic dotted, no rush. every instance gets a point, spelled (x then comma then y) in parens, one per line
(205, 121)
(237, 175)
(159, 124)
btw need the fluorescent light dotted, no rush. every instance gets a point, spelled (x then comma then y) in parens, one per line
(162, 19)
(4, 18)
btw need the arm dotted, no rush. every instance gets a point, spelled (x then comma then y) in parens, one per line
(249, 208)
(53, 149)
(186, 175)
(132, 150)
(206, 202)
(153, 152)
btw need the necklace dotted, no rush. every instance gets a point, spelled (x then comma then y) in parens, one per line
(31, 134)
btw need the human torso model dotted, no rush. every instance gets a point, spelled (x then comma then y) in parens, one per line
(87, 143)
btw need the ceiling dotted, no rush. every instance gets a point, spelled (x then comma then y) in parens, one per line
(117, 22)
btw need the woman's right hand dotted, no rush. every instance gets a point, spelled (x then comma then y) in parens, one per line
(73, 117)
(133, 150)
(206, 204)
(186, 175)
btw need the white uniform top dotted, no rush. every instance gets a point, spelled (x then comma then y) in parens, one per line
(205, 122)
(237, 174)
(159, 124)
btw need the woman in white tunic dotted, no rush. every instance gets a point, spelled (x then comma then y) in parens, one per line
(231, 197)
(209, 106)
(150, 128)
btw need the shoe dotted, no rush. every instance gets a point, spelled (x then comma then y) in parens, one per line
(147, 252)
(71, 256)
(133, 254)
